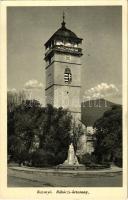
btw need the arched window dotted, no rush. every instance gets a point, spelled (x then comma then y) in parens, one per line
(67, 75)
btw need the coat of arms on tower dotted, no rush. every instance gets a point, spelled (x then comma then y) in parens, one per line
(67, 76)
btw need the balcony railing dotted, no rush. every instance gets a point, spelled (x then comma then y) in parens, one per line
(61, 48)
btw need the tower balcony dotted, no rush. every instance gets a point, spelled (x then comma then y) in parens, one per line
(64, 49)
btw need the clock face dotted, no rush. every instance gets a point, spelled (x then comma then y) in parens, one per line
(67, 76)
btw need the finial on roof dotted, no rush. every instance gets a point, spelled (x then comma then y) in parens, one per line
(63, 16)
(63, 23)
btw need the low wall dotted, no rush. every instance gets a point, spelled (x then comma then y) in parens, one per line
(58, 178)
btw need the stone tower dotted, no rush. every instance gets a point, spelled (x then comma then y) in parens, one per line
(63, 70)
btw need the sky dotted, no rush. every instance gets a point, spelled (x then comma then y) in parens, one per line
(28, 28)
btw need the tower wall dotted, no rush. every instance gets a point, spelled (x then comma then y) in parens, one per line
(49, 75)
(59, 69)
(58, 93)
(67, 97)
(55, 70)
(67, 58)
(49, 95)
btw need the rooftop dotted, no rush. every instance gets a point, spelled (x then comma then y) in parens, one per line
(64, 33)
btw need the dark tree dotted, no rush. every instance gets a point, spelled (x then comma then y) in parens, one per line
(23, 127)
(108, 143)
(42, 130)
(55, 133)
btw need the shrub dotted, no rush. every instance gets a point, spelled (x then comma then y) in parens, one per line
(118, 158)
(118, 162)
(87, 159)
(60, 157)
(90, 162)
(23, 157)
(41, 158)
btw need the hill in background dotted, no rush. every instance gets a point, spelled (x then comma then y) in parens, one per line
(93, 110)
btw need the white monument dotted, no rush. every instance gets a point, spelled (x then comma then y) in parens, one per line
(71, 159)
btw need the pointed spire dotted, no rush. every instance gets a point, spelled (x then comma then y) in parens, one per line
(63, 23)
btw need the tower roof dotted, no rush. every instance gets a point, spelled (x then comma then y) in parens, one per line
(64, 33)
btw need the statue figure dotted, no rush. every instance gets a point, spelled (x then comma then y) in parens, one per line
(71, 159)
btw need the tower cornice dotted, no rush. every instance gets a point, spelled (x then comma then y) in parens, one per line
(79, 86)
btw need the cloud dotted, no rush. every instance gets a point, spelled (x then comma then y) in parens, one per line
(12, 90)
(33, 84)
(101, 90)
